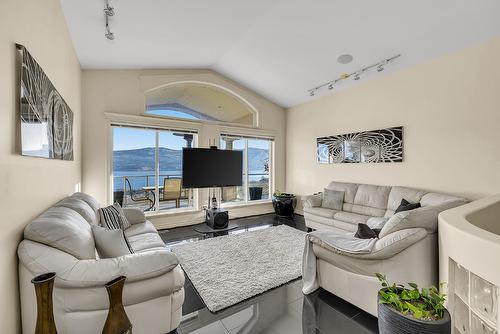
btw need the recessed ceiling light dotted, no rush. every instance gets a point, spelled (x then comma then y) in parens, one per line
(345, 59)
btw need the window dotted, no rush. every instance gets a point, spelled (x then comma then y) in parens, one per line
(257, 175)
(173, 113)
(147, 168)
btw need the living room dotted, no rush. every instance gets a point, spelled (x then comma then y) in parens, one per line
(249, 167)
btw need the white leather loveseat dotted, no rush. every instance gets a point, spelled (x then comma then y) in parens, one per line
(60, 240)
(406, 249)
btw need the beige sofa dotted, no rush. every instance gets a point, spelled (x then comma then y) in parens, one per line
(61, 240)
(406, 250)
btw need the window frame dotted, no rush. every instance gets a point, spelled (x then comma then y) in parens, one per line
(134, 121)
(246, 201)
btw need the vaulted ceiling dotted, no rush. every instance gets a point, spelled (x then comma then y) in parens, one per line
(278, 48)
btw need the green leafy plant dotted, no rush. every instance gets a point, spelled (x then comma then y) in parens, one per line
(423, 304)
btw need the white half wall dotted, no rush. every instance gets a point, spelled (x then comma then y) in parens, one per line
(450, 110)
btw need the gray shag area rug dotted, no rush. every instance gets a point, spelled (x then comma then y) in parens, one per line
(229, 269)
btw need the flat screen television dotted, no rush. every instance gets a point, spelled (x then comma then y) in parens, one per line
(207, 167)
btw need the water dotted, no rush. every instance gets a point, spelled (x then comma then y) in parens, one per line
(147, 178)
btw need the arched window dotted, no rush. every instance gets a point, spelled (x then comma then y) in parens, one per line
(198, 101)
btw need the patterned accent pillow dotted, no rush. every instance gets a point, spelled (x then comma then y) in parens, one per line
(113, 218)
(333, 199)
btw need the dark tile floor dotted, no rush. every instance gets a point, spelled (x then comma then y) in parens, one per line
(284, 310)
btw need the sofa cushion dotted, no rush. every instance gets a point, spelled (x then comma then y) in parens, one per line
(141, 228)
(371, 196)
(80, 206)
(94, 204)
(349, 217)
(64, 229)
(434, 199)
(110, 243)
(322, 212)
(398, 193)
(141, 242)
(134, 216)
(349, 190)
(332, 199)
(425, 217)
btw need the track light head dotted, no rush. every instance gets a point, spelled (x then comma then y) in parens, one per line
(330, 86)
(109, 35)
(108, 10)
(356, 76)
(311, 93)
(380, 68)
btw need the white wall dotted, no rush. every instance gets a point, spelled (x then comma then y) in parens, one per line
(450, 110)
(30, 185)
(122, 91)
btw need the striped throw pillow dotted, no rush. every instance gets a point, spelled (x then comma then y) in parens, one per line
(113, 218)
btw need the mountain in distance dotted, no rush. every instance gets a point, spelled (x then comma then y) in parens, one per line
(143, 159)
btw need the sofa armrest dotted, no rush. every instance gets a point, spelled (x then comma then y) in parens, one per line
(74, 273)
(395, 243)
(312, 201)
(136, 267)
(134, 216)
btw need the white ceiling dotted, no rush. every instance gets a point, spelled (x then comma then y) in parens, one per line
(278, 48)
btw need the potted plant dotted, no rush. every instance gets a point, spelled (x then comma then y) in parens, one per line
(284, 204)
(411, 310)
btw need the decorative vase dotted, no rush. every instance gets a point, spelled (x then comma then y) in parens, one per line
(117, 321)
(44, 285)
(390, 321)
(284, 204)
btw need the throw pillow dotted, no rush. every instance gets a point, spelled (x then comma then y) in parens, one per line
(332, 199)
(365, 232)
(112, 217)
(406, 206)
(110, 243)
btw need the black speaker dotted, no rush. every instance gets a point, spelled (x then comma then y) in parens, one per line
(217, 218)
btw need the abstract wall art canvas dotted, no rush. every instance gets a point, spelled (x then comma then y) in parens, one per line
(46, 119)
(370, 146)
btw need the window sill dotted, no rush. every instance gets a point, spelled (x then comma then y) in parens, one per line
(245, 204)
(173, 212)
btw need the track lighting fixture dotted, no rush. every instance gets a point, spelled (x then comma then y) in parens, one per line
(356, 75)
(108, 12)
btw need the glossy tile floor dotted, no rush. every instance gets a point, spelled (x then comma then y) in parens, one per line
(284, 310)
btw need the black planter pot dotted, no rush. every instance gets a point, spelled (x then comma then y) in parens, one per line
(255, 193)
(391, 321)
(284, 205)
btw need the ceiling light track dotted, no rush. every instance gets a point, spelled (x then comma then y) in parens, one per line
(356, 75)
(108, 12)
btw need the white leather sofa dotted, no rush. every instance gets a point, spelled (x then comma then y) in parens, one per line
(60, 240)
(407, 248)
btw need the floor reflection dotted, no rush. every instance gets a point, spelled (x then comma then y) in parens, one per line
(284, 310)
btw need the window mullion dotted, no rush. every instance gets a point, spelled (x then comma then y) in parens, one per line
(247, 189)
(157, 172)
